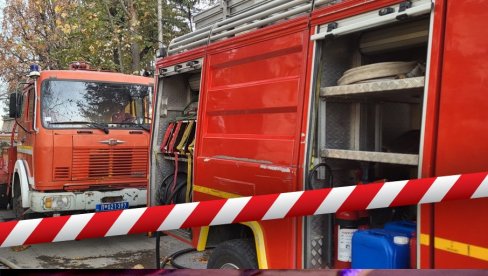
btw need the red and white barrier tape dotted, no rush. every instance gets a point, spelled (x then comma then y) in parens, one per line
(254, 208)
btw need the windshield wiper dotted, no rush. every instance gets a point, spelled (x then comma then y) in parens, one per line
(134, 124)
(103, 127)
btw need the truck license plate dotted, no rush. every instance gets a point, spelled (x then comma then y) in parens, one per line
(112, 206)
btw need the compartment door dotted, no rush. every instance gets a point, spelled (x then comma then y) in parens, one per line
(249, 127)
(459, 227)
(250, 117)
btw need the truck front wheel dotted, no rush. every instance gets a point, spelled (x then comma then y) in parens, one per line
(17, 200)
(4, 199)
(234, 254)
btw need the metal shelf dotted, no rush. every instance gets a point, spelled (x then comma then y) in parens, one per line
(380, 88)
(181, 159)
(370, 156)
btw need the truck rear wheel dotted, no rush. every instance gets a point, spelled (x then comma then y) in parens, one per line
(234, 254)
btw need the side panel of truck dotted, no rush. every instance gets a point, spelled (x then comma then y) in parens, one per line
(250, 122)
(27, 140)
(459, 227)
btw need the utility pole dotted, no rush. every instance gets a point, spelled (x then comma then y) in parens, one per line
(160, 23)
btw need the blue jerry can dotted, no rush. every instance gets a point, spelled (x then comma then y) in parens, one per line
(380, 249)
(408, 228)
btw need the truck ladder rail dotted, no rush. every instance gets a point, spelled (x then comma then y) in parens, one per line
(263, 14)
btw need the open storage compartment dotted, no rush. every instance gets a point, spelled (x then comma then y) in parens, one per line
(367, 119)
(367, 115)
(174, 139)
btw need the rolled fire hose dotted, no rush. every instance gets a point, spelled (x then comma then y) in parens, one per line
(376, 71)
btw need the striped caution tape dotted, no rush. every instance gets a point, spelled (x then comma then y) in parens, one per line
(242, 209)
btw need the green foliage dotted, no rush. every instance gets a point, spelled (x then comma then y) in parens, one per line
(118, 35)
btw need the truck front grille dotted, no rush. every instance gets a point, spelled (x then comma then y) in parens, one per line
(61, 173)
(108, 163)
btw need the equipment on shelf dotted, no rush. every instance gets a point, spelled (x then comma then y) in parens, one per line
(167, 137)
(382, 70)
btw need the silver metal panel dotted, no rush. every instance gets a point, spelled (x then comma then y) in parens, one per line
(216, 24)
(335, 118)
(324, 3)
(216, 13)
(208, 17)
(313, 256)
(373, 87)
(369, 156)
(339, 121)
(185, 67)
(266, 14)
(173, 95)
(181, 159)
(373, 19)
(317, 246)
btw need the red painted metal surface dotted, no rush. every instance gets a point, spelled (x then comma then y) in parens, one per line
(462, 132)
(179, 58)
(431, 126)
(250, 122)
(254, 113)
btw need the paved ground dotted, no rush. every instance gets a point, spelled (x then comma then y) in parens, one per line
(134, 251)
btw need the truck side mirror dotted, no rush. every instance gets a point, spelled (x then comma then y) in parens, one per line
(15, 105)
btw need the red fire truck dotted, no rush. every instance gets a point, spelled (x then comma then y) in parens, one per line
(81, 144)
(295, 95)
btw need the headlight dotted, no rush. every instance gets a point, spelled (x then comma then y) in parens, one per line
(59, 202)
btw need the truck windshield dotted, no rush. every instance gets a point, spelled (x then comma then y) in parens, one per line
(81, 104)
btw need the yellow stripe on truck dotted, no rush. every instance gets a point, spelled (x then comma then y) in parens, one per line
(213, 192)
(254, 225)
(456, 247)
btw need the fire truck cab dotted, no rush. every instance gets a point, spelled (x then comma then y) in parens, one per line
(285, 96)
(82, 141)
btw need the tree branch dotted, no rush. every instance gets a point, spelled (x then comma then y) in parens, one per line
(124, 8)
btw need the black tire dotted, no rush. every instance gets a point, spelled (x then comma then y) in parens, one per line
(237, 254)
(4, 199)
(17, 200)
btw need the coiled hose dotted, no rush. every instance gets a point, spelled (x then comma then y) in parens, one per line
(164, 196)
